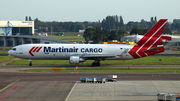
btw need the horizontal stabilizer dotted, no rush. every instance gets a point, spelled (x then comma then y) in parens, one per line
(153, 49)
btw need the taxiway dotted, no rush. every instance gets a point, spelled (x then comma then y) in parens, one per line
(20, 86)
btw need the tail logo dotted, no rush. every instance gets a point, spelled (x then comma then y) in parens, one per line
(149, 41)
(34, 49)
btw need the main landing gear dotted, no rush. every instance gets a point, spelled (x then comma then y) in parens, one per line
(96, 62)
(30, 62)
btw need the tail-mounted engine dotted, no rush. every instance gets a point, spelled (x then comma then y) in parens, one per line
(164, 39)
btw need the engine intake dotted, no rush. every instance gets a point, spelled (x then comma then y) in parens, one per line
(76, 59)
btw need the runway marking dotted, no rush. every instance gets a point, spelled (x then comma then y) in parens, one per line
(71, 91)
(9, 85)
(2, 97)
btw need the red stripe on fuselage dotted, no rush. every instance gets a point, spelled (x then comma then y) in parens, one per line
(39, 49)
(30, 52)
(35, 49)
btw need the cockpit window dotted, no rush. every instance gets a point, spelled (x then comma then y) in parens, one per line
(14, 49)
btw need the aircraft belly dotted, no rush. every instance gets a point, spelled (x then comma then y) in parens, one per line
(120, 58)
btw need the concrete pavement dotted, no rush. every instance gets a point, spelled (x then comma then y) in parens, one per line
(123, 90)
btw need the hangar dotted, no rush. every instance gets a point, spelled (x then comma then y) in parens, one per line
(16, 27)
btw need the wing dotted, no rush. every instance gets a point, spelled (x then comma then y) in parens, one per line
(102, 55)
(95, 55)
(99, 55)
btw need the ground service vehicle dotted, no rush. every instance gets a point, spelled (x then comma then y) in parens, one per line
(83, 79)
(112, 78)
(100, 80)
(91, 79)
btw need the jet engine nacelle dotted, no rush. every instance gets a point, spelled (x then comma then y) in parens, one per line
(76, 59)
(166, 39)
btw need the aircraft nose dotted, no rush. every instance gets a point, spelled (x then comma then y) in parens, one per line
(9, 52)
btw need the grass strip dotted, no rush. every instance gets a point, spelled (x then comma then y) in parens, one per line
(115, 70)
(3, 52)
(5, 58)
(151, 60)
(177, 51)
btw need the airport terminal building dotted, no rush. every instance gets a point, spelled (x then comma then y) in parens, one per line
(14, 40)
(16, 27)
(13, 33)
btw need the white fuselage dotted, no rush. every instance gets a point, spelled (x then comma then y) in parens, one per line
(64, 51)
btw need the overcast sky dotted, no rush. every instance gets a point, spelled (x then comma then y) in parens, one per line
(89, 10)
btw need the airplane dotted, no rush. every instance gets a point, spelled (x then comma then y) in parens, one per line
(149, 44)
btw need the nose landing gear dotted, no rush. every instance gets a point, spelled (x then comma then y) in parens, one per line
(30, 62)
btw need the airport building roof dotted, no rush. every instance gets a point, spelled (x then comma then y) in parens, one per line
(14, 40)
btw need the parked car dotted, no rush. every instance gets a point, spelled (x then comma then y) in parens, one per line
(83, 79)
(111, 78)
(91, 79)
(100, 80)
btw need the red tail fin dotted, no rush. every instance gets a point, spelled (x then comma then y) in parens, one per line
(150, 40)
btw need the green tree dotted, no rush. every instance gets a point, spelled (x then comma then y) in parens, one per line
(121, 24)
(72, 28)
(134, 31)
(30, 19)
(98, 35)
(137, 31)
(109, 23)
(152, 19)
(167, 31)
(88, 34)
(155, 19)
(120, 34)
(145, 31)
(105, 35)
(113, 35)
(26, 18)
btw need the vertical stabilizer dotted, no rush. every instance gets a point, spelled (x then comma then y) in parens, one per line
(150, 40)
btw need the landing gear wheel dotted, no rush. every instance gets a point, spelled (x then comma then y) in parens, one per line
(30, 64)
(93, 64)
(98, 64)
